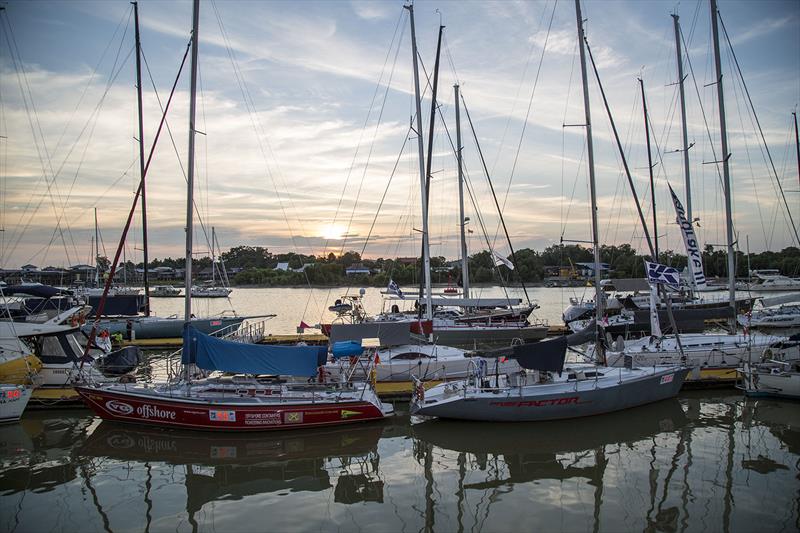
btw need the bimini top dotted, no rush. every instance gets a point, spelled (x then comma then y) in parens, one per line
(212, 353)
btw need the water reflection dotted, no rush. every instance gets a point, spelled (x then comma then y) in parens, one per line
(705, 461)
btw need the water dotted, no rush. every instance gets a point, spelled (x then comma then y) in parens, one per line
(311, 305)
(703, 462)
(707, 461)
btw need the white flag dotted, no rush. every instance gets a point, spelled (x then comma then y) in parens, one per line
(500, 260)
(693, 254)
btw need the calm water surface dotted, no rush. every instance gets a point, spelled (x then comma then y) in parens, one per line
(704, 462)
(311, 305)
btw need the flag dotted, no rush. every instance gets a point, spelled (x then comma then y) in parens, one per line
(302, 327)
(664, 274)
(690, 242)
(394, 288)
(500, 260)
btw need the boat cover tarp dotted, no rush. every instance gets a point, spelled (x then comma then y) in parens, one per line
(389, 333)
(543, 355)
(212, 353)
(39, 291)
(346, 349)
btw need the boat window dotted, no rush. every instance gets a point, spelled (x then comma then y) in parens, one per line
(409, 356)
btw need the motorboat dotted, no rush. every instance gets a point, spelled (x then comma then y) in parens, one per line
(164, 291)
(210, 292)
(770, 280)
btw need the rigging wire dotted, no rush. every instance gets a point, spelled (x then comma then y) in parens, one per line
(760, 130)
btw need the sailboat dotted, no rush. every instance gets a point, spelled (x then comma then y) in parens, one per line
(243, 402)
(712, 356)
(547, 388)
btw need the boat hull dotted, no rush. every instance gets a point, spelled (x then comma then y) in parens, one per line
(222, 416)
(486, 337)
(13, 399)
(574, 400)
(163, 328)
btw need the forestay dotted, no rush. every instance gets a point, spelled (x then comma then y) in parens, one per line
(212, 353)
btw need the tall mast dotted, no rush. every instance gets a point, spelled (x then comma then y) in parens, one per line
(462, 222)
(592, 189)
(431, 123)
(426, 254)
(796, 142)
(686, 177)
(190, 166)
(96, 250)
(650, 169)
(145, 257)
(726, 175)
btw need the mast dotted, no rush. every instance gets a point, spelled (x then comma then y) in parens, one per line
(598, 307)
(426, 254)
(431, 122)
(190, 166)
(462, 222)
(96, 250)
(213, 253)
(681, 77)
(796, 142)
(726, 174)
(650, 169)
(145, 257)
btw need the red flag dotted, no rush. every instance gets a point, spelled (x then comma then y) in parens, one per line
(303, 325)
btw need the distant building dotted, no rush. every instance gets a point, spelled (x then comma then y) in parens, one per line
(357, 269)
(283, 266)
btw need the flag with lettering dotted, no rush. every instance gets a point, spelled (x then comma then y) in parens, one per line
(693, 253)
(666, 275)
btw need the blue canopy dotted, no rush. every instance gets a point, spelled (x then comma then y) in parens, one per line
(212, 353)
(346, 349)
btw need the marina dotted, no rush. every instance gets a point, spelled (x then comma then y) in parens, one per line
(435, 317)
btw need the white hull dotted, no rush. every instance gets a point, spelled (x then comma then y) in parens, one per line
(779, 380)
(13, 399)
(702, 351)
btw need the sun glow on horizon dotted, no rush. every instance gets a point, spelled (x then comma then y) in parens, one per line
(333, 232)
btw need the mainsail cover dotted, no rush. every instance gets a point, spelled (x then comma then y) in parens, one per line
(690, 241)
(212, 353)
(543, 355)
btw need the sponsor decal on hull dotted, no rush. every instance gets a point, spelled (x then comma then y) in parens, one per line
(222, 416)
(666, 379)
(293, 418)
(347, 414)
(147, 411)
(119, 408)
(538, 403)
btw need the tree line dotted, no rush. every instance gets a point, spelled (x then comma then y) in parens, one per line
(256, 265)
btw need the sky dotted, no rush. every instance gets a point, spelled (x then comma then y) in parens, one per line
(305, 111)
